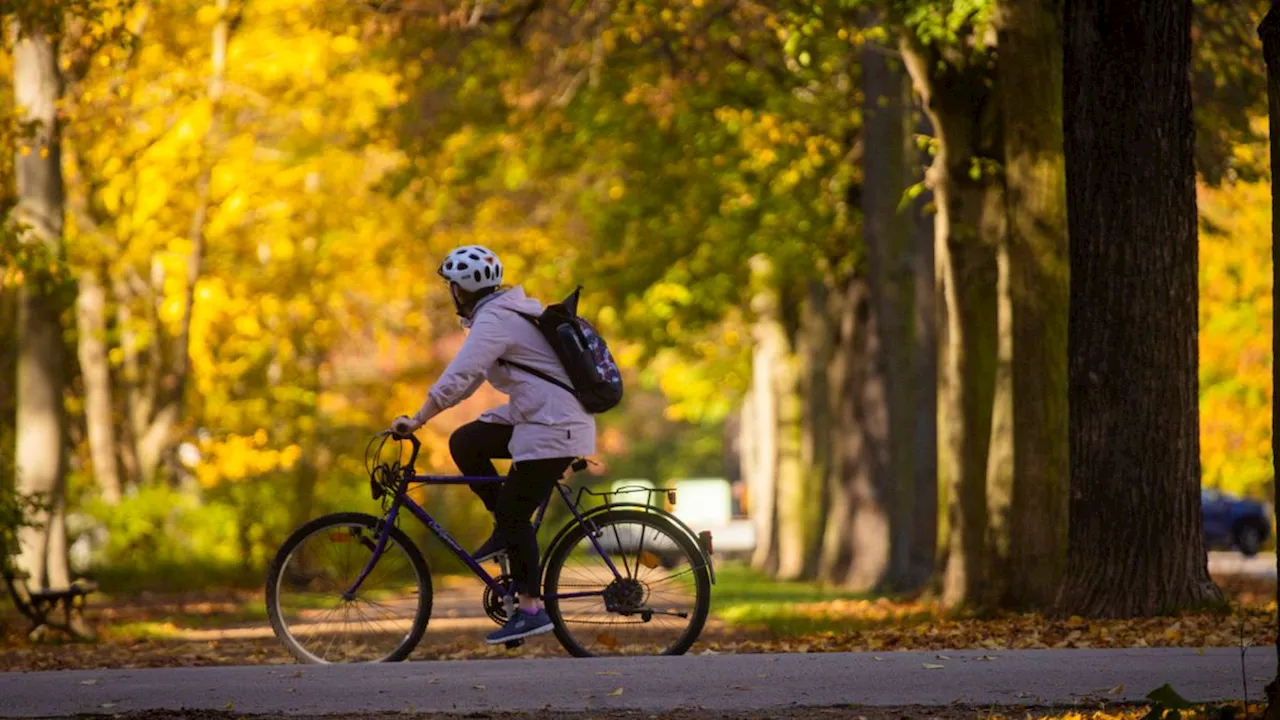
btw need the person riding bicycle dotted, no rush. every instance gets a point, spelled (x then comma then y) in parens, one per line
(543, 427)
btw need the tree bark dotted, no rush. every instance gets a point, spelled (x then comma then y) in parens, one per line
(835, 563)
(856, 526)
(924, 532)
(761, 416)
(792, 473)
(888, 231)
(1135, 539)
(1031, 79)
(1269, 31)
(91, 306)
(40, 458)
(815, 346)
(1000, 455)
(968, 225)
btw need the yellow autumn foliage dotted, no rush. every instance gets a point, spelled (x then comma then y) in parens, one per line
(1235, 337)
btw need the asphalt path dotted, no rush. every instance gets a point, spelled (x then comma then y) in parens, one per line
(654, 684)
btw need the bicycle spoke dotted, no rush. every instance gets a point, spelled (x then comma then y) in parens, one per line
(373, 625)
(621, 551)
(653, 608)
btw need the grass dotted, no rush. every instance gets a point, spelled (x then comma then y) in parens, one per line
(743, 596)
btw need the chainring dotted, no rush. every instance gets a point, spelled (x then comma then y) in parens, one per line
(493, 602)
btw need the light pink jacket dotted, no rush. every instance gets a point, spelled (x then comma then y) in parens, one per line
(548, 421)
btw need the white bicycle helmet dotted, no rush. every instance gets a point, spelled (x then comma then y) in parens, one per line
(472, 267)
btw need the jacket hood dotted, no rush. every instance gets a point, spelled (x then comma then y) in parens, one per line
(510, 299)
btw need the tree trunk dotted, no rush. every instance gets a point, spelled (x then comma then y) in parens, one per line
(40, 458)
(888, 230)
(8, 377)
(91, 305)
(1000, 455)
(855, 538)
(924, 529)
(761, 416)
(1031, 71)
(1135, 546)
(815, 346)
(129, 380)
(837, 557)
(1269, 31)
(792, 473)
(968, 225)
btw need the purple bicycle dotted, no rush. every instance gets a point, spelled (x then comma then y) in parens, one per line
(620, 578)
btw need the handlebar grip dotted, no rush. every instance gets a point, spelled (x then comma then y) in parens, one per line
(414, 441)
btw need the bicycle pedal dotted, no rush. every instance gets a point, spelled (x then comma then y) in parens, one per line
(513, 644)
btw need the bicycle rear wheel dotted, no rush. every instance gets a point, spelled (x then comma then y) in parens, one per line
(656, 604)
(307, 586)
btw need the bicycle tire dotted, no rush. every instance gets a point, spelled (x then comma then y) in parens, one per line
(560, 551)
(419, 564)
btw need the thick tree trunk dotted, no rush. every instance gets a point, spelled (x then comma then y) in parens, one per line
(1136, 545)
(856, 541)
(867, 465)
(888, 229)
(1000, 456)
(791, 471)
(924, 530)
(1031, 72)
(1269, 31)
(761, 416)
(837, 557)
(94, 368)
(815, 346)
(40, 458)
(968, 225)
(793, 474)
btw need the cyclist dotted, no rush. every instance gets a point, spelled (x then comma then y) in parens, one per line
(542, 428)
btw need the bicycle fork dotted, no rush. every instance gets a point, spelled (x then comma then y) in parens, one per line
(378, 548)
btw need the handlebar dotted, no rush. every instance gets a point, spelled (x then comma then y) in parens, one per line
(413, 440)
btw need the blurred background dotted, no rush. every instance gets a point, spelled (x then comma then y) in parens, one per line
(257, 193)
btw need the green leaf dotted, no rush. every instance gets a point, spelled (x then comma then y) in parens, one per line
(793, 43)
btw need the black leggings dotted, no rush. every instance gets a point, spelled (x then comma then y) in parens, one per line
(474, 446)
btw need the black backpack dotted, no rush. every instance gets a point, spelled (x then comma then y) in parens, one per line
(586, 359)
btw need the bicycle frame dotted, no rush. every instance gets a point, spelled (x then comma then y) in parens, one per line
(401, 500)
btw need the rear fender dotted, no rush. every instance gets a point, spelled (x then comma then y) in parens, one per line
(592, 513)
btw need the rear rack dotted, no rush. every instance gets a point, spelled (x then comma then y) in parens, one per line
(648, 492)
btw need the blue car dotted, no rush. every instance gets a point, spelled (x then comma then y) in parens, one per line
(1231, 521)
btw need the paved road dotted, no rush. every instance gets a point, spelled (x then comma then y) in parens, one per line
(720, 682)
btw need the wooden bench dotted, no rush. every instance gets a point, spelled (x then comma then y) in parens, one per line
(41, 607)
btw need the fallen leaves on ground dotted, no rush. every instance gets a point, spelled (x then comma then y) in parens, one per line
(952, 712)
(872, 625)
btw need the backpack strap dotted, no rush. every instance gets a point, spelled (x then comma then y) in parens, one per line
(537, 373)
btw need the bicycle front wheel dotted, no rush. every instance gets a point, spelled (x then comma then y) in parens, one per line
(312, 608)
(643, 587)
